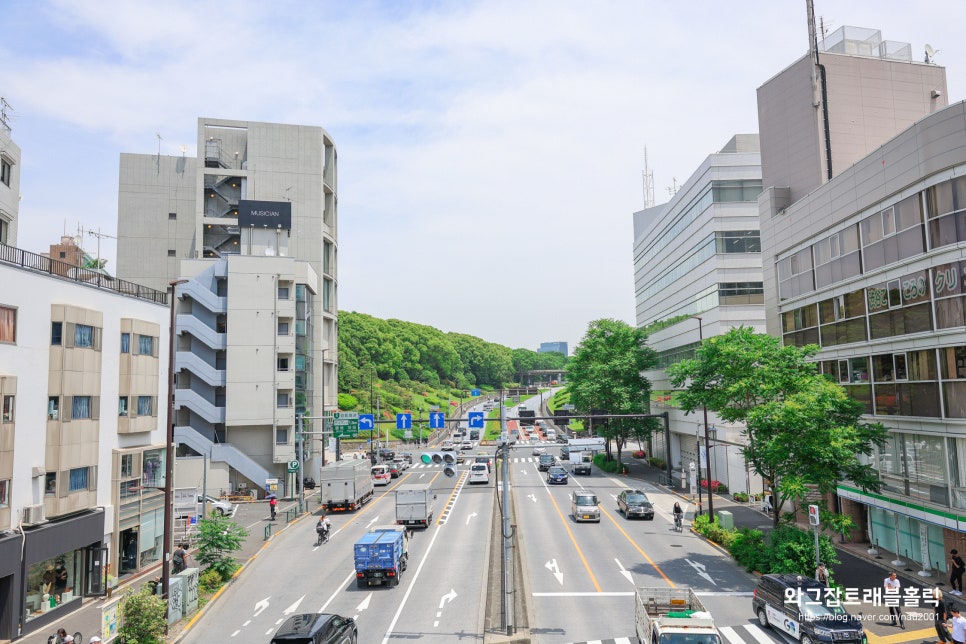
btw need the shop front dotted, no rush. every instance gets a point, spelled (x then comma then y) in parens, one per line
(63, 562)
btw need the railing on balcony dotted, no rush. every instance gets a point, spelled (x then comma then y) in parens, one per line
(62, 270)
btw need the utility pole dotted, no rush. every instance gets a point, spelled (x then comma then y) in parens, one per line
(707, 433)
(507, 559)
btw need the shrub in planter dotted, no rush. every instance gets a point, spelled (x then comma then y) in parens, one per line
(656, 462)
(740, 497)
(721, 488)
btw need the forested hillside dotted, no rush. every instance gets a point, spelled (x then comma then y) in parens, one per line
(403, 351)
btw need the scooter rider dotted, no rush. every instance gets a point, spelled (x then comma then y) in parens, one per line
(322, 529)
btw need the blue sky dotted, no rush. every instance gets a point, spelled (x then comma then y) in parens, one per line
(490, 153)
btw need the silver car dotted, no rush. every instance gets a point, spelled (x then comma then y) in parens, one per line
(222, 507)
(584, 506)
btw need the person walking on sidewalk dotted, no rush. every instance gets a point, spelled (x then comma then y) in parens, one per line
(273, 506)
(893, 592)
(942, 616)
(959, 625)
(956, 569)
(821, 574)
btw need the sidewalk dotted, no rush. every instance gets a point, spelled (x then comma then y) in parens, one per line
(857, 568)
(252, 516)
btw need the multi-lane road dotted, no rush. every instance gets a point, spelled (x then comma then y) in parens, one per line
(579, 579)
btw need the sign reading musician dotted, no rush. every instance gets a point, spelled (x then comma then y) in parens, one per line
(265, 214)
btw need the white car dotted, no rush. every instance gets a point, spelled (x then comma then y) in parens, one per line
(447, 446)
(479, 473)
(222, 507)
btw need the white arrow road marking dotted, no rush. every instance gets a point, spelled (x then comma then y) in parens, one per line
(235, 633)
(532, 497)
(448, 597)
(699, 568)
(627, 574)
(291, 609)
(260, 606)
(374, 520)
(552, 567)
(364, 604)
(472, 514)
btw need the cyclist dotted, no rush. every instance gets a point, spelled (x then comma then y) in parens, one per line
(678, 515)
(322, 529)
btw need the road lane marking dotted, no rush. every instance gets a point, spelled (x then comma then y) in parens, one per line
(638, 548)
(759, 634)
(599, 593)
(570, 534)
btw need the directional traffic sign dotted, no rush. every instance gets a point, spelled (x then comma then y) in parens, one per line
(474, 392)
(367, 421)
(475, 419)
(404, 421)
(437, 420)
(345, 424)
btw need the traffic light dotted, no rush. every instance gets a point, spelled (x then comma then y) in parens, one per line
(813, 518)
(561, 417)
(447, 459)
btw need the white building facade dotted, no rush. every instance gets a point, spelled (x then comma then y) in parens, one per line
(699, 256)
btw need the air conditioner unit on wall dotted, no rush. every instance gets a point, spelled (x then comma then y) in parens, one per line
(33, 514)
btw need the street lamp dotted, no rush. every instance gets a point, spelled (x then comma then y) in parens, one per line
(169, 456)
(707, 435)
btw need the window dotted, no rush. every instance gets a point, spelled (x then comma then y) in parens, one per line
(83, 336)
(8, 324)
(283, 328)
(6, 169)
(4, 229)
(78, 479)
(281, 436)
(56, 333)
(5, 493)
(50, 484)
(172, 215)
(8, 409)
(53, 407)
(172, 252)
(81, 407)
(127, 465)
(145, 405)
(738, 241)
(741, 293)
(122, 406)
(125, 343)
(145, 345)
(283, 293)
(282, 399)
(740, 190)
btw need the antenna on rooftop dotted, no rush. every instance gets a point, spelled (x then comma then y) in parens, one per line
(648, 176)
(673, 188)
(931, 53)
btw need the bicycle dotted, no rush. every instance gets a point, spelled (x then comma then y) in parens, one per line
(323, 537)
(678, 523)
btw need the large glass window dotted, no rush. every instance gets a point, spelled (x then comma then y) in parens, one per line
(145, 405)
(795, 274)
(800, 326)
(738, 241)
(83, 335)
(893, 234)
(837, 257)
(945, 204)
(741, 293)
(843, 319)
(146, 345)
(906, 384)
(736, 190)
(80, 407)
(899, 306)
(54, 582)
(8, 324)
(78, 479)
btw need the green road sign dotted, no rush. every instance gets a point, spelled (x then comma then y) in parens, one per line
(293, 466)
(345, 424)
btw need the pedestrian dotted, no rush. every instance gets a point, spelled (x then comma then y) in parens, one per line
(821, 574)
(273, 506)
(179, 559)
(959, 625)
(956, 569)
(892, 587)
(942, 616)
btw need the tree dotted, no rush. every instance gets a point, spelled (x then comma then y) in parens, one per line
(801, 429)
(605, 373)
(218, 537)
(142, 618)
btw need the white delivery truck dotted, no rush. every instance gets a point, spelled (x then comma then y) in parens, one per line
(672, 616)
(345, 485)
(414, 505)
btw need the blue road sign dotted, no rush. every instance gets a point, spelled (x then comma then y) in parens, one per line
(474, 392)
(404, 421)
(437, 420)
(367, 421)
(475, 419)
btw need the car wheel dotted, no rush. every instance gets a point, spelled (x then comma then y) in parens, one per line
(806, 639)
(220, 512)
(762, 617)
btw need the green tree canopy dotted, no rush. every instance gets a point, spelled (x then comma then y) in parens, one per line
(605, 373)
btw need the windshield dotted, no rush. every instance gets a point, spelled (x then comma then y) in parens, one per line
(545, 457)
(557, 470)
(636, 499)
(586, 499)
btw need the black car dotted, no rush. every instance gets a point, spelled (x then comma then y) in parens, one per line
(635, 504)
(798, 606)
(386, 454)
(557, 474)
(308, 483)
(565, 453)
(317, 628)
(546, 462)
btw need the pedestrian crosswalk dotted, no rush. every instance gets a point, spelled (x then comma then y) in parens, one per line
(435, 466)
(741, 634)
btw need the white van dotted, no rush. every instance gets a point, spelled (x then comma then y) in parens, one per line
(551, 434)
(380, 475)
(479, 473)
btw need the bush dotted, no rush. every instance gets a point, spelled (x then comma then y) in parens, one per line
(740, 497)
(713, 531)
(209, 581)
(793, 551)
(656, 462)
(142, 618)
(748, 549)
(218, 538)
(607, 464)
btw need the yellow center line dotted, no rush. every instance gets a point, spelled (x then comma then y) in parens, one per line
(638, 548)
(903, 636)
(573, 540)
(446, 506)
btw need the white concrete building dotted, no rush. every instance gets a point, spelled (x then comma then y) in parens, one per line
(700, 255)
(253, 224)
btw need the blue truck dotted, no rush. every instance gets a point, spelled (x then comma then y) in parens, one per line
(380, 558)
